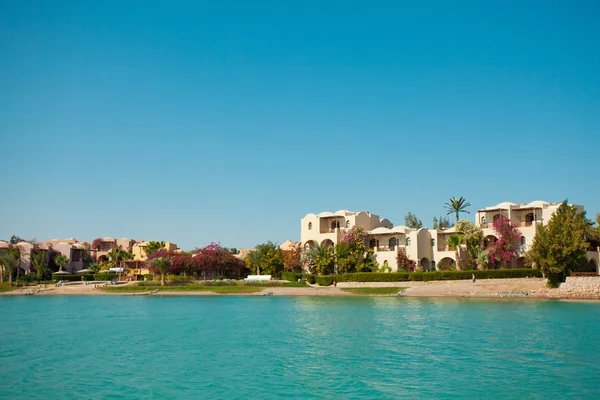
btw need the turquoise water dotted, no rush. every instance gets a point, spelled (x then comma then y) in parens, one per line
(297, 347)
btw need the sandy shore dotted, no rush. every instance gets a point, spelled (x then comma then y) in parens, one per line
(495, 288)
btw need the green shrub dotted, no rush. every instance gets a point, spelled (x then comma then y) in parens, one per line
(291, 276)
(72, 277)
(310, 278)
(148, 276)
(179, 278)
(325, 280)
(438, 275)
(103, 277)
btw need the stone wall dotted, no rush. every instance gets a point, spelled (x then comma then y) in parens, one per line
(581, 287)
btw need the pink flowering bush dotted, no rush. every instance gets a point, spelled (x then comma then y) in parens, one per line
(508, 245)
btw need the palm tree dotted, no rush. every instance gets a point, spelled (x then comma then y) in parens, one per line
(61, 261)
(256, 258)
(454, 241)
(483, 258)
(7, 262)
(38, 260)
(161, 264)
(322, 257)
(457, 206)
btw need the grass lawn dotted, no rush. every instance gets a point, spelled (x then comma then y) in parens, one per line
(187, 288)
(374, 290)
(4, 289)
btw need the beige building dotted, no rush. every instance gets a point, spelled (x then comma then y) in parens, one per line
(423, 245)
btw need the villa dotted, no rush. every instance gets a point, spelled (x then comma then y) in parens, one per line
(428, 246)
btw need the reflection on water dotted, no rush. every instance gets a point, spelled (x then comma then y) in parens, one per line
(296, 347)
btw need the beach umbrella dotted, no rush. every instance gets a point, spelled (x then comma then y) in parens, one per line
(61, 273)
(85, 270)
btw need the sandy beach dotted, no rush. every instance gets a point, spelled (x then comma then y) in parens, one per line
(495, 288)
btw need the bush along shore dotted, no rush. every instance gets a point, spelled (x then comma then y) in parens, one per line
(327, 280)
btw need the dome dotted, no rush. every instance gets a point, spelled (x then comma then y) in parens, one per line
(400, 229)
(380, 230)
(505, 204)
(538, 203)
(326, 214)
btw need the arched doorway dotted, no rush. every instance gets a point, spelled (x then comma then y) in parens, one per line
(425, 264)
(327, 243)
(520, 262)
(446, 263)
(529, 219)
(309, 245)
(373, 243)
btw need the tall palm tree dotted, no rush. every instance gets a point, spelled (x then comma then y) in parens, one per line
(38, 260)
(256, 258)
(161, 264)
(457, 206)
(454, 241)
(7, 262)
(61, 261)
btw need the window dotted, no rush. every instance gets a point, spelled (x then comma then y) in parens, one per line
(496, 217)
(309, 226)
(372, 243)
(408, 241)
(483, 220)
(529, 219)
(523, 241)
(335, 224)
(106, 247)
(392, 243)
(348, 224)
(432, 242)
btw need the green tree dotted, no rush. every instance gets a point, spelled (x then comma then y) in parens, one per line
(322, 258)
(117, 256)
(482, 258)
(266, 259)
(442, 223)
(61, 261)
(8, 263)
(456, 206)
(560, 246)
(161, 265)
(153, 246)
(454, 241)
(94, 267)
(473, 236)
(412, 221)
(38, 260)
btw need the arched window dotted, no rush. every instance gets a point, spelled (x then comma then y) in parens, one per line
(372, 243)
(408, 241)
(392, 243)
(483, 220)
(335, 224)
(348, 224)
(432, 242)
(529, 219)
(523, 241)
(309, 226)
(496, 217)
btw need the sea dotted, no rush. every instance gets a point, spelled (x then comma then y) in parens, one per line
(271, 347)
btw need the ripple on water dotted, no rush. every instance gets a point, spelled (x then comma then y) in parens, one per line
(284, 347)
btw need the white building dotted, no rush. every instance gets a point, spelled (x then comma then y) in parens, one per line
(426, 246)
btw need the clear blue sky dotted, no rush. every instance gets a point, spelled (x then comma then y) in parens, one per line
(226, 121)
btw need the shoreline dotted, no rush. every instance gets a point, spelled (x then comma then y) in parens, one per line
(519, 288)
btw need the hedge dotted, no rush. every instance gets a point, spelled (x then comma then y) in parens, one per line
(291, 276)
(104, 277)
(310, 278)
(73, 277)
(436, 276)
(325, 280)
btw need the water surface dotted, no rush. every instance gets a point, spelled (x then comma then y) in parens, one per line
(297, 347)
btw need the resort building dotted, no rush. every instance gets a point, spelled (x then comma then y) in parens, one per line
(427, 247)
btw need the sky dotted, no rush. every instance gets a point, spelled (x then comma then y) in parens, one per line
(196, 122)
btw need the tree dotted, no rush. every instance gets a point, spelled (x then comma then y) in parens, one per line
(7, 262)
(404, 263)
(454, 241)
(292, 260)
(268, 262)
(322, 258)
(560, 246)
(473, 236)
(350, 253)
(482, 258)
(61, 261)
(412, 221)
(508, 245)
(457, 206)
(152, 246)
(442, 223)
(161, 265)
(38, 260)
